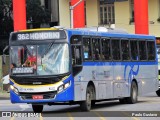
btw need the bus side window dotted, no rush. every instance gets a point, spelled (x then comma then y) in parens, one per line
(96, 49)
(106, 50)
(76, 55)
(142, 50)
(116, 49)
(134, 50)
(151, 50)
(87, 49)
(125, 49)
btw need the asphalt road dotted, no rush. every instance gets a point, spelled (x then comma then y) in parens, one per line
(147, 108)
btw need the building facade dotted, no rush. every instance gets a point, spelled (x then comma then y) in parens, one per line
(107, 12)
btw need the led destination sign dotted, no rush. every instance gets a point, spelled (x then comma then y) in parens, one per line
(39, 36)
(45, 35)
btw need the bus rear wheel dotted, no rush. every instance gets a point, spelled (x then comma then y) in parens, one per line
(158, 92)
(86, 105)
(37, 108)
(133, 95)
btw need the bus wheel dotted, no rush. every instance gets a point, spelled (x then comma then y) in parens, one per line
(158, 92)
(133, 95)
(122, 100)
(86, 105)
(37, 108)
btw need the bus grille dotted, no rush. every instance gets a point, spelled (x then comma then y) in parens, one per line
(46, 95)
(36, 81)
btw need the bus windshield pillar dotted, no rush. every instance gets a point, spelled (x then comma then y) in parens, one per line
(78, 14)
(19, 14)
(141, 16)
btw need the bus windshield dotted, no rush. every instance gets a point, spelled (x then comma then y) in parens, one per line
(43, 59)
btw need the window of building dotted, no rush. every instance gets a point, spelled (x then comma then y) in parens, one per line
(142, 50)
(107, 14)
(134, 50)
(151, 50)
(106, 49)
(116, 50)
(47, 4)
(131, 11)
(125, 49)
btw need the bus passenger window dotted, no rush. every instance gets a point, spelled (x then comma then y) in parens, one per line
(134, 50)
(142, 50)
(76, 55)
(125, 50)
(96, 49)
(106, 50)
(151, 50)
(116, 49)
(87, 49)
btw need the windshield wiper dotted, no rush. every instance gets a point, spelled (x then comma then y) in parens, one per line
(49, 47)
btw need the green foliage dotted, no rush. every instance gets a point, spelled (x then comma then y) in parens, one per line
(37, 13)
(6, 21)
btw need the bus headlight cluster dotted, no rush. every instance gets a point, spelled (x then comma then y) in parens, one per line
(63, 87)
(22, 70)
(14, 89)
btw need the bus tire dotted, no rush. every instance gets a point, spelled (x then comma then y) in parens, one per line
(158, 92)
(133, 95)
(86, 105)
(37, 108)
(123, 100)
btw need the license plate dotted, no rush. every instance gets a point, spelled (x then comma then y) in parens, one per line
(35, 97)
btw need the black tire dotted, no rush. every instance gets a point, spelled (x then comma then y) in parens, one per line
(158, 92)
(37, 108)
(123, 100)
(86, 105)
(133, 95)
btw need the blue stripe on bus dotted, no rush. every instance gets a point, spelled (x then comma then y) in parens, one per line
(105, 34)
(118, 63)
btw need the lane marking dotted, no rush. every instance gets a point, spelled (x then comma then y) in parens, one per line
(99, 115)
(12, 118)
(41, 118)
(70, 116)
(24, 107)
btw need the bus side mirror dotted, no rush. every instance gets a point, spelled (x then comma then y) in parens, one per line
(4, 55)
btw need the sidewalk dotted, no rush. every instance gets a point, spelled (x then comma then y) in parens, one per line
(4, 95)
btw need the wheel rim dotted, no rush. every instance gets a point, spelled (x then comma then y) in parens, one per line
(134, 93)
(88, 99)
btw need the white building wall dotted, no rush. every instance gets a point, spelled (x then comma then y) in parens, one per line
(92, 12)
(122, 16)
(64, 13)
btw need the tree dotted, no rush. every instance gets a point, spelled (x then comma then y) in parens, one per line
(6, 20)
(36, 13)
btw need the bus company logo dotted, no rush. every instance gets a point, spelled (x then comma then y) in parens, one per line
(6, 114)
(26, 89)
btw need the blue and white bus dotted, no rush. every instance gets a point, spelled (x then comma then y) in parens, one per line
(80, 66)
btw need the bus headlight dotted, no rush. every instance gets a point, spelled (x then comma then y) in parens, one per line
(63, 87)
(14, 89)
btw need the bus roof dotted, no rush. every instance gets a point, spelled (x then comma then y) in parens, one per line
(92, 31)
(109, 34)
